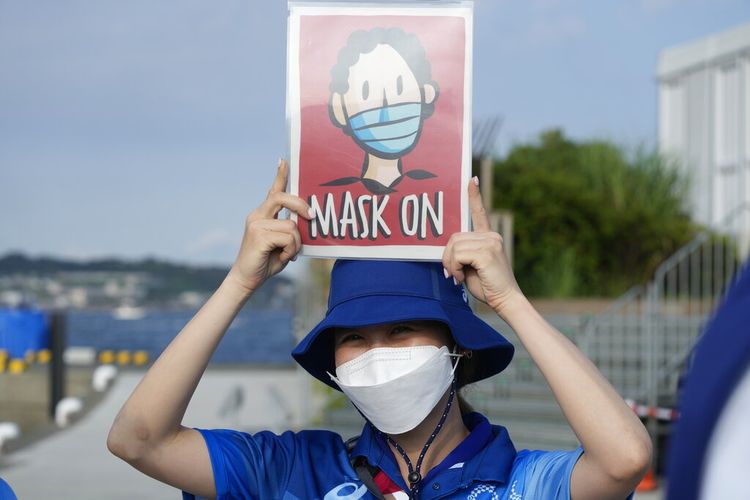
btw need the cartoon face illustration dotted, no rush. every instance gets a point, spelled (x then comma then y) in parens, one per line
(381, 94)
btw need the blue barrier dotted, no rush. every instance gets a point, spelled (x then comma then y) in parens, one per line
(22, 330)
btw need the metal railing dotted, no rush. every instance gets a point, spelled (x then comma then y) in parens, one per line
(643, 341)
(615, 341)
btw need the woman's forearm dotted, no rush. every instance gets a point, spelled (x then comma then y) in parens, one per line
(611, 435)
(155, 410)
(616, 444)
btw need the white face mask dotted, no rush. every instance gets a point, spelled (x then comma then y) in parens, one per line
(395, 388)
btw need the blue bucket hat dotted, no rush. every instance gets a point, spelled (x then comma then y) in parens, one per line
(372, 292)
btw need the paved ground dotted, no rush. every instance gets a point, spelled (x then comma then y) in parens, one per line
(651, 495)
(75, 463)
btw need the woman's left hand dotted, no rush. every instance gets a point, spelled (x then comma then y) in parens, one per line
(478, 260)
(618, 448)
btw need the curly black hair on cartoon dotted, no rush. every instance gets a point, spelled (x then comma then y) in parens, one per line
(363, 42)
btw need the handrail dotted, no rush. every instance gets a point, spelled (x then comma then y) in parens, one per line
(592, 323)
(699, 239)
(648, 320)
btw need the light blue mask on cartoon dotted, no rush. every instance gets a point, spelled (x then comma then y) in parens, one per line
(390, 129)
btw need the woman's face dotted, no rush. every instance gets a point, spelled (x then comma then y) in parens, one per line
(351, 342)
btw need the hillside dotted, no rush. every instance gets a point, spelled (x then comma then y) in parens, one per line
(147, 281)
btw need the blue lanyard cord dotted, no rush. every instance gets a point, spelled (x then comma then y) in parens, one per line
(414, 474)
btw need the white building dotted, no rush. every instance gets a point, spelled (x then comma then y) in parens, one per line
(704, 122)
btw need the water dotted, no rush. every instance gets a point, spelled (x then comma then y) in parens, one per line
(255, 336)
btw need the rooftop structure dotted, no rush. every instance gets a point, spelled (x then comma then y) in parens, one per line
(704, 122)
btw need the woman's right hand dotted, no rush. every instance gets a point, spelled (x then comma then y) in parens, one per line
(148, 431)
(269, 243)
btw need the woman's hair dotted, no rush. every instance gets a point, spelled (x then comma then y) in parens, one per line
(363, 42)
(464, 372)
(360, 42)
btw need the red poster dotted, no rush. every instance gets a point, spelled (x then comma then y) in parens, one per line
(379, 110)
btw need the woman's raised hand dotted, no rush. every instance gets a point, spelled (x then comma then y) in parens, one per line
(478, 260)
(269, 243)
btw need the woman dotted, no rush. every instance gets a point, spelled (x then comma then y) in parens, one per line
(394, 335)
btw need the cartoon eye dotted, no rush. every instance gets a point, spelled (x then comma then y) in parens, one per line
(365, 90)
(399, 85)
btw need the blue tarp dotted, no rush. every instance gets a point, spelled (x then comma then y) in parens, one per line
(22, 330)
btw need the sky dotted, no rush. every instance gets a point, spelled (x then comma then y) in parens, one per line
(153, 127)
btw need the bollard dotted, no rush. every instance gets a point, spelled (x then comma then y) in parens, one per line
(123, 357)
(103, 377)
(8, 432)
(140, 358)
(67, 410)
(16, 366)
(107, 357)
(44, 356)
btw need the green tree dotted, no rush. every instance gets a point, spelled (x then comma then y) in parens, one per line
(590, 218)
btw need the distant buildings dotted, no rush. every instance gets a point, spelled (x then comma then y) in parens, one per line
(74, 289)
(704, 121)
(125, 287)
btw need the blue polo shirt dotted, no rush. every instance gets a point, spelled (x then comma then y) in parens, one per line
(316, 465)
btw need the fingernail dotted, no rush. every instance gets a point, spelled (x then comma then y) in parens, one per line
(294, 258)
(281, 160)
(445, 272)
(311, 213)
(476, 180)
(455, 281)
